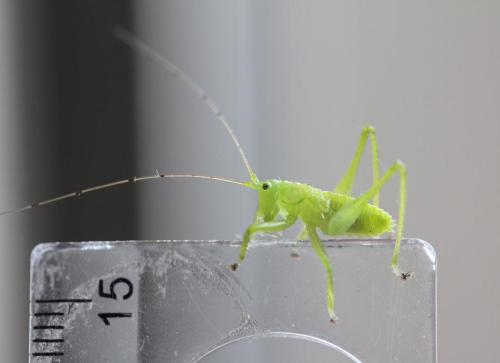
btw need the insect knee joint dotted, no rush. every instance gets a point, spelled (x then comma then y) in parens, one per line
(369, 129)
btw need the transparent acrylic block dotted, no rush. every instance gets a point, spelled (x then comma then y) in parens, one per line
(178, 301)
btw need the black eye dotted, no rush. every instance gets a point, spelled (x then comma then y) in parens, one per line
(265, 186)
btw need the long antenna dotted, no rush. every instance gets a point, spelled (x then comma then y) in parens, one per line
(134, 179)
(141, 47)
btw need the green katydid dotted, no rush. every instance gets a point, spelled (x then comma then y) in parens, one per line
(282, 203)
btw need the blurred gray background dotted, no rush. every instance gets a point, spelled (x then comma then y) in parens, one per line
(297, 80)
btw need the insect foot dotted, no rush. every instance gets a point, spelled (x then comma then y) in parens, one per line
(334, 319)
(295, 255)
(234, 266)
(406, 275)
(403, 275)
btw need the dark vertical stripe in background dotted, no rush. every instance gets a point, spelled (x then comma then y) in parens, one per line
(75, 125)
(92, 111)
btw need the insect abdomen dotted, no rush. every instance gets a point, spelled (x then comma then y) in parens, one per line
(372, 222)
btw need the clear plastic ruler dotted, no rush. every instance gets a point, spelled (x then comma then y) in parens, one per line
(145, 301)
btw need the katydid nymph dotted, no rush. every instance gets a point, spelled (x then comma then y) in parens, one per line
(282, 203)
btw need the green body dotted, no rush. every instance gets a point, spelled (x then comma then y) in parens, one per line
(335, 213)
(316, 207)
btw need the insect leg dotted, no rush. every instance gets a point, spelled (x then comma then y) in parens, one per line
(265, 227)
(302, 236)
(320, 251)
(346, 183)
(347, 215)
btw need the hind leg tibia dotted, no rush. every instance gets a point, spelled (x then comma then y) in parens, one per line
(320, 251)
(344, 218)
